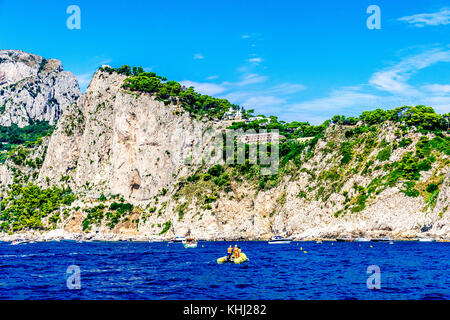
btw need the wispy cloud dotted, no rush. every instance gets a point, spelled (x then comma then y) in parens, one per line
(441, 17)
(287, 88)
(255, 60)
(205, 87)
(248, 79)
(394, 79)
(212, 88)
(437, 88)
(260, 102)
(199, 56)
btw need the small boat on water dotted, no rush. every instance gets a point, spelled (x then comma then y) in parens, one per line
(190, 243)
(178, 240)
(241, 259)
(426, 240)
(345, 239)
(382, 240)
(16, 242)
(362, 240)
(279, 240)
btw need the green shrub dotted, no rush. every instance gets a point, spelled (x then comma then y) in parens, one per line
(432, 187)
(384, 154)
(347, 153)
(166, 228)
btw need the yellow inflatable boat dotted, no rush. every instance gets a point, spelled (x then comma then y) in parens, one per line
(242, 258)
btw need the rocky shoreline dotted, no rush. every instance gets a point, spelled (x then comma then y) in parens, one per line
(63, 235)
(135, 167)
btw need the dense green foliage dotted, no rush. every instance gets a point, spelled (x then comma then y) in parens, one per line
(407, 170)
(24, 207)
(11, 137)
(173, 92)
(425, 118)
(114, 215)
(14, 135)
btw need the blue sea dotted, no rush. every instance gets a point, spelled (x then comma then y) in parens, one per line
(300, 270)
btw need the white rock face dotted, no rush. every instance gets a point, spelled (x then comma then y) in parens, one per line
(122, 143)
(33, 88)
(117, 142)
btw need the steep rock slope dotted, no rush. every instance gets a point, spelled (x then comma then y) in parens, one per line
(322, 197)
(133, 164)
(122, 144)
(33, 88)
(116, 142)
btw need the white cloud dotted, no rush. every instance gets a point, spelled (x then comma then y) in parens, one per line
(338, 100)
(211, 88)
(437, 88)
(260, 102)
(287, 88)
(213, 77)
(394, 79)
(198, 56)
(204, 87)
(248, 79)
(245, 36)
(441, 17)
(255, 60)
(441, 104)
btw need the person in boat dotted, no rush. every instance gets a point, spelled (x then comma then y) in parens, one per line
(229, 252)
(238, 252)
(235, 251)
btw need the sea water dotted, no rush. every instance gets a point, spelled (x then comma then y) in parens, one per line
(159, 270)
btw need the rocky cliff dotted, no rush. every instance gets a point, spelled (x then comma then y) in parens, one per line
(116, 142)
(33, 88)
(133, 165)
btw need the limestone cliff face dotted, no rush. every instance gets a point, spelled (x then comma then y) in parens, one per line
(33, 88)
(301, 208)
(115, 142)
(122, 144)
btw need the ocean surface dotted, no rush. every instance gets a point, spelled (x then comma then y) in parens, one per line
(131, 270)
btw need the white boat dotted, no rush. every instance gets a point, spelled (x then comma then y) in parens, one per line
(426, 240)
(190, 243)
(178, 240)
(279, 240)
(362, 240)
(385, 239)
(16, 242)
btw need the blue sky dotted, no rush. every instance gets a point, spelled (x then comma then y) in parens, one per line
(298, 60)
